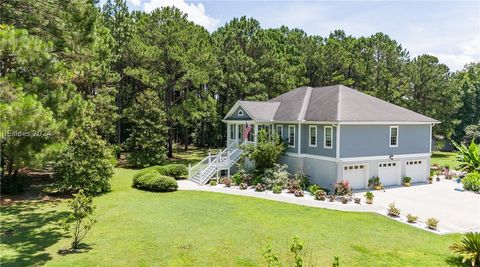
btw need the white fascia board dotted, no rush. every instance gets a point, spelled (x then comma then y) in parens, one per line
(385, 122)
(386, 157)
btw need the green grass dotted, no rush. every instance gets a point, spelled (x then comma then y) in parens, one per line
(187, 228)
(445, 159)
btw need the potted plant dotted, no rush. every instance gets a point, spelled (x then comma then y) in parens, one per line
(407, 181)
(369, 197)
(375, 183)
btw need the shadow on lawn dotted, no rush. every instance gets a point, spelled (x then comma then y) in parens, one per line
(29, 230)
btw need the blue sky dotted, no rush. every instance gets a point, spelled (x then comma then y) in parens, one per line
(449, 30)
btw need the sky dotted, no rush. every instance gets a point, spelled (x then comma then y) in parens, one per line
(449, 30)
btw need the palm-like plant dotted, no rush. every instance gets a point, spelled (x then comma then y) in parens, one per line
(468, 248)
(468, 157)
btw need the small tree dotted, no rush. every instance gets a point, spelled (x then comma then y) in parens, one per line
(267, 151)
(147, 140)
(86, 164)
(81, 219)
(296, 248)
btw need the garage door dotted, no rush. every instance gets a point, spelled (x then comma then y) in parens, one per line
(356, 175)
(389, 173)
(417, 169)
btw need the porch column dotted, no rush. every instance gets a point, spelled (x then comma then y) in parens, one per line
(228, 133)
(237, 132)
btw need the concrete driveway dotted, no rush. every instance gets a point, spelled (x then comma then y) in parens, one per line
(456, 211)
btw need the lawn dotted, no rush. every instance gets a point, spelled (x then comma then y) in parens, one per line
(186, 228)
(445, 159)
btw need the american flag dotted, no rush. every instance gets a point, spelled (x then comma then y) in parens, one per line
(248, 128)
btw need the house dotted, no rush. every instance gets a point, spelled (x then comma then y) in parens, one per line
(333, 133)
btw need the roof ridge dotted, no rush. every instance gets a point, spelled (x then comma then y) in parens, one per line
(305, 104)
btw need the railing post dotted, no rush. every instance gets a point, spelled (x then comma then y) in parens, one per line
(189, 171)
(209, 157)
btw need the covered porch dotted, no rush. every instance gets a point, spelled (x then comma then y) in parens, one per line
(236, 129)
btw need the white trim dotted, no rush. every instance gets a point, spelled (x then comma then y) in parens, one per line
(279, 126)
(290, 154)
(390, 136)
(386, 157)
(232, 110)
(289, 127)
(310, 127)
(240, 121)
(325, 136)
(240, 111)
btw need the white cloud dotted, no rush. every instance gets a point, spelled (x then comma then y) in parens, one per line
(195, 12)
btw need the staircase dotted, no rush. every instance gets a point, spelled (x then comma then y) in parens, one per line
(211, 165)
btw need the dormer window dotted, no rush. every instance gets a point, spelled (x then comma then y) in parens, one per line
(240, 113)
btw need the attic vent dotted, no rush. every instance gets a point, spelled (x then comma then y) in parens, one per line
(240, 113)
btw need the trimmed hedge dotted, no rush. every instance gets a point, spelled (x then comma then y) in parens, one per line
(177, 171)
(152, 181)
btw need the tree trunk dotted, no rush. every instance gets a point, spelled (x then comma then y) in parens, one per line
(168, 105)
(186, 139)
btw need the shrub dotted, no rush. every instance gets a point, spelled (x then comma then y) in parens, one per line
(407, 179)
(296, 249)
(177, 171)
(237, 178)
(345, 199)
(374, 181)
(343, 188)
(471, 182)
(314, 188)
(293, 185)
(393, 210)
(260, 187)
(213, 182)
(155, 182)
(87, 163)
(468, 248)
(277, 189)
(411, 218)
(144, 171)
(270, 256)
(277, 175)
(303, 179)
(298, 193)
(320, 194)
(331, 197)
(81, 219)
(469, 157)
(266, 152)
(243, 186)
(432, 223)
(357, 200)
(227, 182)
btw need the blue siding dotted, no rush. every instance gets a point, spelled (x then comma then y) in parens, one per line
(319, 150)
(373, 140)
(285, 137)
(236, 117)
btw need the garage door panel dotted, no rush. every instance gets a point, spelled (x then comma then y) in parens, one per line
(356, 175)
(417, 169)
(389, 173)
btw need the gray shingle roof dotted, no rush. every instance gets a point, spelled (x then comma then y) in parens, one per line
(330, 103)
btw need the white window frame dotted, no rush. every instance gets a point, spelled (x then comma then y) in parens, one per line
(240, 113)
(310, 135)
(294, 137)
(325, 137)
(390, 136)
(280, 131)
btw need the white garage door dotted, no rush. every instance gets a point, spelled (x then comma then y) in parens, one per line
(417, 169)
(356, 175)
(389, 173)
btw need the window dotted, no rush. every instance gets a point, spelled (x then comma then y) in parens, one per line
(232, 131)
(312, 136)
(327, 136)
(251, 134)
(241, 128)
(240, 113)
(280, 131)
(291, 136)
(393, 136)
